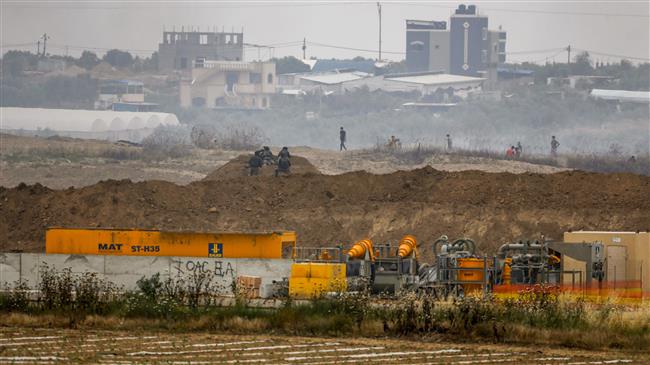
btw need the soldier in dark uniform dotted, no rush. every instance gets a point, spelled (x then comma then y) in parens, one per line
(254, 164)
(284, 153)
(284, 166)
(267, 156)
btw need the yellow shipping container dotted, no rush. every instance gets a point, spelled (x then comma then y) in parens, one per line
(310, 280)
(132, 242)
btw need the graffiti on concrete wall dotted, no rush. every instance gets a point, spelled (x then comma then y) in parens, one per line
(217, 268)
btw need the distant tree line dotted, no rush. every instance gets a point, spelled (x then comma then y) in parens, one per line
(21, 87)
(632, 77)
(15, 63)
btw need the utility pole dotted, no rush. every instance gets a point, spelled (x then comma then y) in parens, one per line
(45, 38)
(304, 48)
(38, 47)
(568, 55)
(379, 11)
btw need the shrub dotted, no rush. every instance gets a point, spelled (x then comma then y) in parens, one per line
(55, 288)
(16, 299)
(167, 142)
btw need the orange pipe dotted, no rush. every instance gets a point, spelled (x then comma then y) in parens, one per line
(407, 245)
(359, 249)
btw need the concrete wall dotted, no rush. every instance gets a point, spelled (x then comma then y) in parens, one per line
(125, 271)
(417, 50)
(217, 48)
(439, 51)
(467, 44)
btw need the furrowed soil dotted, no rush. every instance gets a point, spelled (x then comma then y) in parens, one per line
(325, 210)
(87, 346)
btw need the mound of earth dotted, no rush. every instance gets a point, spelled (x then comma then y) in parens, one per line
(325, 210)
(238, 167)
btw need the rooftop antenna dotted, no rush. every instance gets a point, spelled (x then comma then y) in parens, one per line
(45, 37)
(379, 12)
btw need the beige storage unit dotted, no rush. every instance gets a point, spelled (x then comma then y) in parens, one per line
(627, 255)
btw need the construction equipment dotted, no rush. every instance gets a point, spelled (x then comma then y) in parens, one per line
(383, 268)
(457, 269)
(396, 269)
(592, 254)
(315, 279)
(529, 263)
(135, 242)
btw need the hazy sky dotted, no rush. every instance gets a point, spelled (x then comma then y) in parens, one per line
(612, 27)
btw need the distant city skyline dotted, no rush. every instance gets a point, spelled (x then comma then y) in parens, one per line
(609, 29)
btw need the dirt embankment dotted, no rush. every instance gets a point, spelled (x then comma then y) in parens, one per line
(238, 167)
(490, 207)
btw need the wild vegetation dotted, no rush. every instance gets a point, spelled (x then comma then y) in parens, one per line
(612, 161)
(630, 76)
(530, 116)
(539, 315)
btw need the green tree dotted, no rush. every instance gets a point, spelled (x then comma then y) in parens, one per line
(151, 63)
(88, 60)
(582, 64)
(14, 63)
(119, 59)
(289, 64)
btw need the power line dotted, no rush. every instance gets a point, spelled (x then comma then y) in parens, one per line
(547, 57)
(536, 51)
(17, 45)
(104, 5)
(143, 4)
(352, 48)
(318, 44)
(613, 55)
(533, 11)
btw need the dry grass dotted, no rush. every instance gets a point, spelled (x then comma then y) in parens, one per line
(607, 163)
(28, 149)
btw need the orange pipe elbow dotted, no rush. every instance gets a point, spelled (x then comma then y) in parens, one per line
(407, 245)
(359, 249)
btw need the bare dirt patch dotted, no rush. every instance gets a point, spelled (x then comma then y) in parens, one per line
(59, 163)
(238, 167)
(326, 210)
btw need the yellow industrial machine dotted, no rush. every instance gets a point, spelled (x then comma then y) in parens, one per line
(132, 242)
(469, 278)
(362, 250)
(313, 279)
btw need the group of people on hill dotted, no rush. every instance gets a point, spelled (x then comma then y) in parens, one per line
(264, 157)
(514, 152)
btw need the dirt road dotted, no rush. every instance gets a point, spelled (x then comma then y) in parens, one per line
(47, 346)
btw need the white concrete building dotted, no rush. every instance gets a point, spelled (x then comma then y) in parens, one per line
(229, 84)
